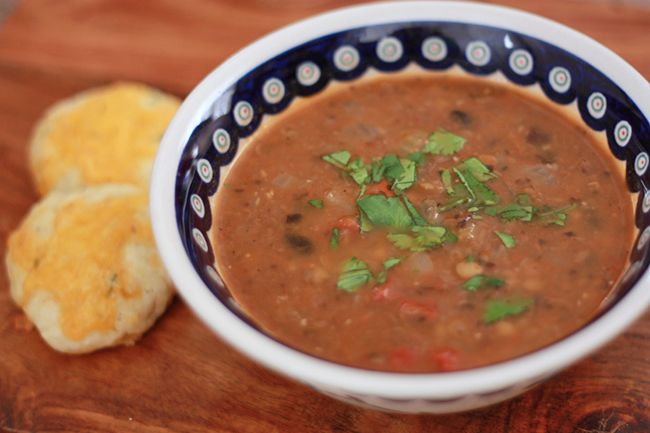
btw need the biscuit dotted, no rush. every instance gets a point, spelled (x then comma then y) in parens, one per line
(84, 268)
(104, 135)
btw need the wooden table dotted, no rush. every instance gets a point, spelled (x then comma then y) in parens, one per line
(180, 377)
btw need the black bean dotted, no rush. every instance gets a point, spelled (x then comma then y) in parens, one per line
(537, 137)
(462, 118)
(299, 243)
(294, 218)
(570, 234)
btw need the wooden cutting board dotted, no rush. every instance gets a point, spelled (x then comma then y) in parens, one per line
(180, 377)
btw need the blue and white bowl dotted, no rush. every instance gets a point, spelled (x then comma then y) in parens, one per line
(299, 61)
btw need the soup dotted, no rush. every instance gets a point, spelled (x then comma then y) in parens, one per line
(418, 223)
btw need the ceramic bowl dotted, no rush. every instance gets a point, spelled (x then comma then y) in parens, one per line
(565, 67)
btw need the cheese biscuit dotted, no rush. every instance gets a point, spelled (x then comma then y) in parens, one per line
(84, 268)
(104, 135)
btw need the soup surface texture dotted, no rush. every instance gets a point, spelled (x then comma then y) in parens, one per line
(420, 223)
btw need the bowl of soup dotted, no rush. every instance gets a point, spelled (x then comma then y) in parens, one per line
(413, 206)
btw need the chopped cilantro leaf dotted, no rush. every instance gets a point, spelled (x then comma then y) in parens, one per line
(406, 178)
(478, 169)
(512, 212)
(364, 224)
(418, 219)
(458, 198)
(463, 180)
(392, 168)
(362, 191)
(479, 193)
(317, 203)
(471, 190)
(423, 238)
(338, 159)
(445, 176)
(558, 217)
(469, 259)
(358, 171)
(376, 171)
(402, 241)
(416, 157)
(507, 239)
(334, 238)
(383, 211)
(497, 310)
(354, 274)
(442, 142)
(393, 261)
(481, 281)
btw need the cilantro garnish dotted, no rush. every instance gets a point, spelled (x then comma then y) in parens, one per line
(470, 190)
(317, 203)
(392, 168)
(422, 238)
(445, 176)
(478, 169)
(364, 223)
(338, 159)
(459, 197)
(418, 219)
(334, 238)
(497, 310)
(416, 157)
(383, 274)
(384, 211)
(512, 212)
(551, 216)
(358, 172)
(377, 171)
(507, 239)
(443, 142)
(479, 193)
(354, 274)
(406, 178)
(482, 281)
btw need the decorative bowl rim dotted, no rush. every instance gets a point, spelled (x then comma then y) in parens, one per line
(329, 375)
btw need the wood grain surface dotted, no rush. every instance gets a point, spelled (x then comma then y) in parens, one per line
(180, 377)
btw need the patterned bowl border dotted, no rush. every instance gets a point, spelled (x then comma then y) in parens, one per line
(433, 45)
(344, 56)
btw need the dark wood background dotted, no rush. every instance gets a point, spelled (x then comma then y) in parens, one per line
(180, 377)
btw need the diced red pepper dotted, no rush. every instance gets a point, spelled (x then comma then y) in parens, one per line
(414, 309)
(402, 357)
(446, 359)
(347, 223)
(348, 226)
(380, 188)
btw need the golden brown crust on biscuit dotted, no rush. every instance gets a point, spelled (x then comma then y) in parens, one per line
(84, 268)
(104, 135)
